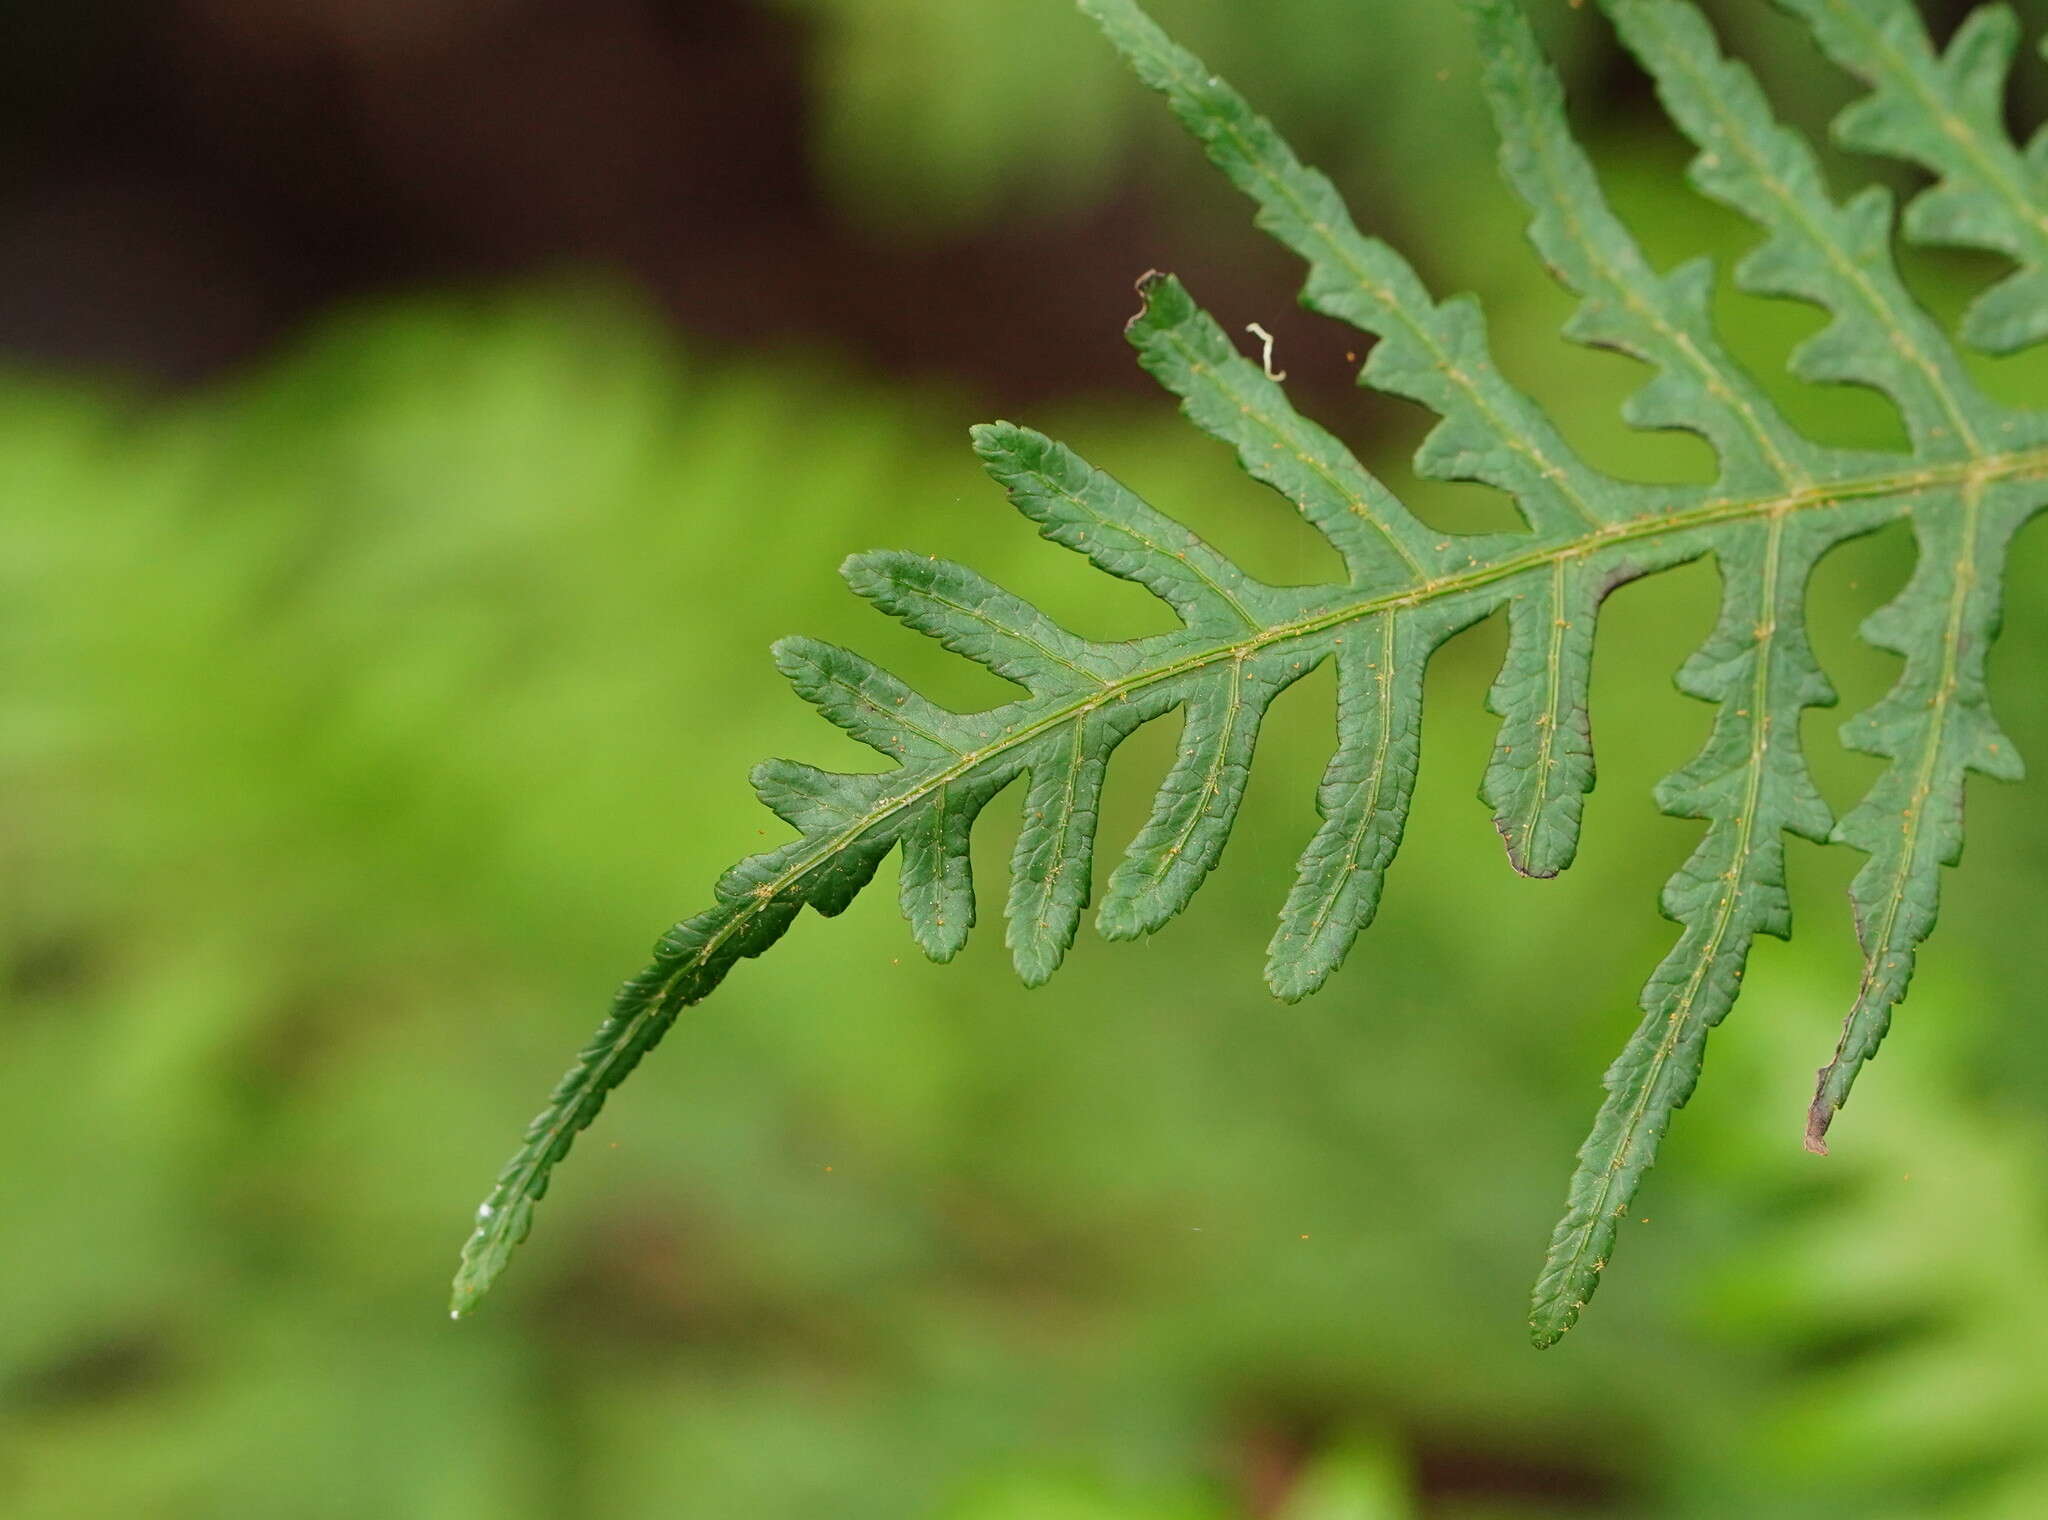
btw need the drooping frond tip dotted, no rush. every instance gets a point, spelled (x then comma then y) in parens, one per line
(1974, 472)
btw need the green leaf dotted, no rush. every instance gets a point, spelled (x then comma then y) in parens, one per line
(1946, 112)
(1197, 802)
(1542, 764)
(1935, 726)
(1974, 472)
(1230, 398)
(1363, 801)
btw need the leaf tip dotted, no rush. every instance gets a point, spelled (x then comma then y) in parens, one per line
(1522, 856)
(1818, 1117)
(1290, 984)
(1553, 1318)
(939, 945)
(1543, 1335)
(1006, 448)
(480, 1267)
(1129, 911)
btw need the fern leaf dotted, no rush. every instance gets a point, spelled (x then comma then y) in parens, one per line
(1086, 511)
(971, 616)
(1663, 321)
(1230, 398)
(1197, 802)
(937, 894)
(1975, 471)
(1946, 112)
(1363, 801)
(1433, 353)
(1751, 786)
(1935, 726)
(1542, 763)
(1836, 256)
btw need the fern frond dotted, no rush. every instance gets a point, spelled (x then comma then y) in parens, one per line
(1777, 504)
(1946, 112)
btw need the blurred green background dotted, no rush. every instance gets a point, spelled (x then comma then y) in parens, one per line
(418, 420)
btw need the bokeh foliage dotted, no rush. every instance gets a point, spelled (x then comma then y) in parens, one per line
(927, 123)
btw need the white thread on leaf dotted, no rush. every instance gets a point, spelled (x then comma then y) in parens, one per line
(1265, 358)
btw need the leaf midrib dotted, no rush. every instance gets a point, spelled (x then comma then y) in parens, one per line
(1538, 801)
(596, 1078)
(1233, 710)
(1383, 741)
(2020, 464)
